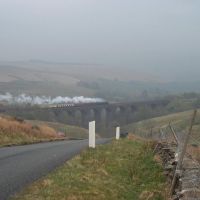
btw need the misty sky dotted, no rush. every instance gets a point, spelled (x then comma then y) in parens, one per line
(158, 36)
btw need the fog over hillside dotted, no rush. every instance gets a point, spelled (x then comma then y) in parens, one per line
(42, 78)
(155, 38)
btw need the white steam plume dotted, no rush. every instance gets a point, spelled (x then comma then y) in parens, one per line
(25, 99)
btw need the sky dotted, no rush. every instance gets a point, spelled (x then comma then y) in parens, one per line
(156, 36)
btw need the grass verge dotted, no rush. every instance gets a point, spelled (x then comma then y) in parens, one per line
(124, 169)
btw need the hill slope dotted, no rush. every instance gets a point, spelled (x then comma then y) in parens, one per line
(179, 121)
(68, 130)
(14, 131)
(17, 131)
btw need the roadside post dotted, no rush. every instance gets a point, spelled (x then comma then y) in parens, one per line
(117, 133)
(92, 134)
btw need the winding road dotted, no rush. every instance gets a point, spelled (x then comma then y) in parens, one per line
(21, 165)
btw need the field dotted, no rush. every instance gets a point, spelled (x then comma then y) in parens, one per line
(67, 73)
(180, 123)
(69, 131)
(54, 79)
(14, 131)
(122, 170)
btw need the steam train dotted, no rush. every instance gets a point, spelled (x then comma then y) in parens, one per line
(64, 105)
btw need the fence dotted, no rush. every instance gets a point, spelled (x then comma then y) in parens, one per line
(179, 147)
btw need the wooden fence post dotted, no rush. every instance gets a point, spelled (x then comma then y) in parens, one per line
(186, 141)
(163, 135)
(173, 132)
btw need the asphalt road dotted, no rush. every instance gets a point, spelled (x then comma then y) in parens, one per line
(21, 165)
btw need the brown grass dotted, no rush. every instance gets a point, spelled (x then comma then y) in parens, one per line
(16, 131)
(68, 130)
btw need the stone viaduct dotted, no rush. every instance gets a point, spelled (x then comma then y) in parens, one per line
(109, 115)
(106, 115)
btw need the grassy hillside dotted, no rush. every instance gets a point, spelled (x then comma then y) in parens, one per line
(180, 122)
(18, 131)
(158, 122)
(69, 131)
(15, 131)
(122, 170)
(68, 72)
(54, 79)
(72, 79)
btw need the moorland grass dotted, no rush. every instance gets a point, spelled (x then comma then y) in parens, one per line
(18, 132)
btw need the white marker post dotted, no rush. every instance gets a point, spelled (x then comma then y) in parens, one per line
(117, 133)
(92, 134)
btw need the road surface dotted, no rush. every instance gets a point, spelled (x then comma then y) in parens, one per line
(21, 165)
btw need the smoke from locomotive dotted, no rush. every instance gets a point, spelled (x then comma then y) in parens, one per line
(43, 100)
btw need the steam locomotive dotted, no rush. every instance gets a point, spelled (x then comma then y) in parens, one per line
(64, 105)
